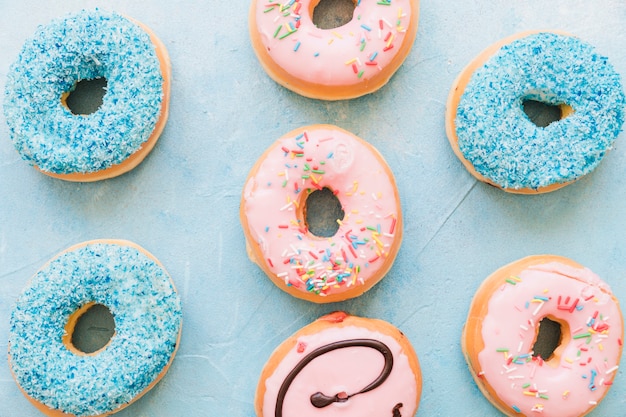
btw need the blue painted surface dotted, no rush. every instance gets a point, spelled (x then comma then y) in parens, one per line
(182, 202)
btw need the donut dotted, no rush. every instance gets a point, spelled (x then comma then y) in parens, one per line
(88, 45)
(56, 376)
(344, 366)
(503, 330)
(497, 141)
(352, 60)
(274, 210)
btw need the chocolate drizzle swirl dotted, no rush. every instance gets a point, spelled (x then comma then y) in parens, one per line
(321, 400)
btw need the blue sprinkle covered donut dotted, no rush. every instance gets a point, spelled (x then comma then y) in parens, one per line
(495, 138)
(85, 46)
(58, 378)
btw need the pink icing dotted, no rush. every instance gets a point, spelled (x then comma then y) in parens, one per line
(346, 55)
(325, 156)
(589, 360)
(343, 370)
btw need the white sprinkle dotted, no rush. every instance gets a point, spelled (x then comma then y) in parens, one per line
(538, 308)
(613, 369)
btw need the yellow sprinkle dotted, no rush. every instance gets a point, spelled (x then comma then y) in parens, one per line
(337, 34)
(568, 360)
(532, 394)
(600, 346)
(353, 60)
(330, 41)
(355, 211)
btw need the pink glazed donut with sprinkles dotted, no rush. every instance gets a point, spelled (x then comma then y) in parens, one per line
(332, 264)
(502, 336)
(346, 62)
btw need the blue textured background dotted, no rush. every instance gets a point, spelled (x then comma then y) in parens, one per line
(182, 202)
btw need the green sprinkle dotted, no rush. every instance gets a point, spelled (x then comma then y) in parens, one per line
(361, 73)
(278, 30)
(526, 385)
(287, 34)
(318, 171)
(510, 281)
(502, 350)
(582, 335)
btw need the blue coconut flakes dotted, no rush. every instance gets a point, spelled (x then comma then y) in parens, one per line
(501, 142)
(83, 46)
(148, 317)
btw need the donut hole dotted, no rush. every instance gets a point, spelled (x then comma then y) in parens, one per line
(549, 340)
(322, 213)
(331, 14)
(89, 329)
(86, 96)
(543, 114)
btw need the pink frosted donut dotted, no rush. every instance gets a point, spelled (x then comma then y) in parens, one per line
(274, 207)
(502, 329)
(341, 366)
(332, 64)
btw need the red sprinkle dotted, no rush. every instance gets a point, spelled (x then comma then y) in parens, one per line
(336, 317)
(269, 261)
(393, 225)
(301, 347)
(385, 49)
(353, 252)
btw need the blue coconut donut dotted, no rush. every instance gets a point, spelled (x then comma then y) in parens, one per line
(496, 140)
(61, 380)
(84, 46)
